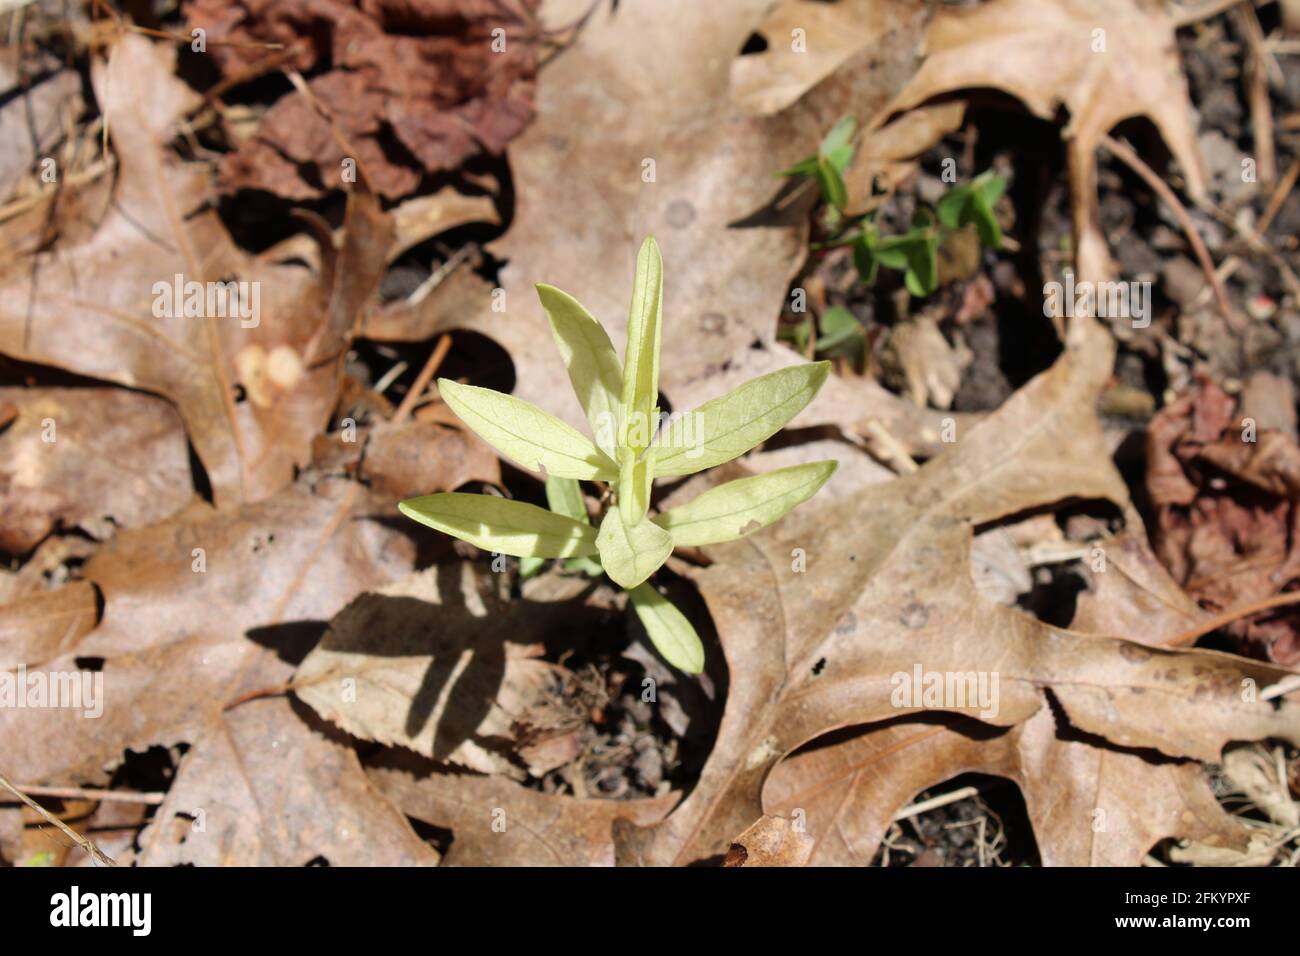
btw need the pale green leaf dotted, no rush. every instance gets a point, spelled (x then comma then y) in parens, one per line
(591, 360)
(520, 430)
(500, 525)
(528, 567)
(668, 628)
(641, 361)
(740, 507)
(564, 495)
(631, 554)
(839, 139)
(727, 427)
(588, 566)
(634, 485)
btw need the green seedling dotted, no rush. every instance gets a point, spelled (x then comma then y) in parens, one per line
(632, 447)
(973, 203)
(828, 164)
(915, 253)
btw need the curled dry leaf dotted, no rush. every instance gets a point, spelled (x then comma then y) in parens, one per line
(423, 217)
(806, 41)
(106, 305)
(95, 459)
(813, 651)
(771, 841)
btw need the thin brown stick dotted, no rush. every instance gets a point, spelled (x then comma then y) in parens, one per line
(1129, 158)
(1230, 615)
(422, 380)
(1189, 15)
(1278, 198)
(95, 852)
(89, 793)
(1261, 111)
(258, 694)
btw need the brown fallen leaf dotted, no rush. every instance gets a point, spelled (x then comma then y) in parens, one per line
(806, 40)
(496, 822)
(771, 841)
(463, 292)
(90, 458)
(1089, 804)
(264, 788)
(1227, 512)
(252, 389)
(432, 663)
(44, 625)
(1131, 593)
(927, 368)
(198, 610)
(889, 154)
(413, 86)
(423, 217)
(814, 651)
(1103, 60)
(33, 117)
(412, 458)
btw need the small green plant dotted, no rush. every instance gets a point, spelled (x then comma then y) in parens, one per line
(828, 164)
(914, 253)
(632, 447)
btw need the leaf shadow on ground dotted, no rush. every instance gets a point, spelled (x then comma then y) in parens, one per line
(429, 667)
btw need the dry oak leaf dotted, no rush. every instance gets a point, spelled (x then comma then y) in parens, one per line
(90, 458)
(275, 791)
(806, 41)
(636, 134)
(812, 652)
(496, 822)
(199, 610)
(1090, 804)
(1104, 60)
(429, 664)
(90, 304)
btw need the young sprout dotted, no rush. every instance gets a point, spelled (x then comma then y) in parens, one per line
(631, 448)
(914, 253)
